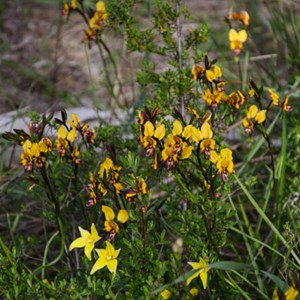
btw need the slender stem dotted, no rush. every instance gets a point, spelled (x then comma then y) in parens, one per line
(54, 200)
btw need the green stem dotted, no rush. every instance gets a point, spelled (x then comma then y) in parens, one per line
(194, 200)
(54, 200)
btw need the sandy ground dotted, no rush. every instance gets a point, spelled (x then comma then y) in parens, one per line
(44, 64)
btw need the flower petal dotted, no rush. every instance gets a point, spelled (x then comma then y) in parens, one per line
(122, 216)
(88, 250)
(192, 277)
(108, 212)
(112, 265)
(83, 232)
(203, 277)
(148, 129)
(206, 131)
(99, 264)
(78, 243)
(94, 233)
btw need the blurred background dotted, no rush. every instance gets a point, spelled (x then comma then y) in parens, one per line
(45, 65)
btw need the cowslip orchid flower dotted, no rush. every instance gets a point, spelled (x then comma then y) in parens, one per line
(275, 101)
(107, 258)
(212, 75)
(35, 153)
(284, 105)
(237, 39)
(274, 97)
(110, 225)
(176, 145)
(151, 135)
(242, 16)
(87, 240)
(254, 113)
(214, 97)
(110, 172)
(223, 162)
(202, 270)
(197, 70)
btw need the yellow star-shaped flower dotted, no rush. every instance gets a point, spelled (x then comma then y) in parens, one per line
(87, 240)
(107, 257)
(202, 268)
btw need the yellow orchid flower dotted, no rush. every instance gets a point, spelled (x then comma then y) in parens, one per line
(274, 97)
(237, 39)
(213, 98)
(242, 16)
(284, 105)
(87, 240)
(197, 70)
(253, 113)
(109, 224)
(211, 75)
(105, 167)
(223, 162)
(107, 257)
(202, 268)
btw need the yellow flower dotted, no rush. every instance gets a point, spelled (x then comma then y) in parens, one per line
(100, 6)
(186, 151)
(275, 295)
(165, 294)
(74, 4)
(213, 98)
(107, 257)
(261, 116)
(194, 292)
(237, 39)
(45, 145)
(284, 105)
(212, 75)
(109, 224)
(150, 136)
(274, 97)
(202, 268)
(97, 21)
(291, 293)
(75, 121)
(242, 16)
(71, 136)
(197, 70)
(66, 9)
(236, 99)
(254, 113)
(34, 153)
(177, 127)
(223, 162)
(87, 240)
(105, 168)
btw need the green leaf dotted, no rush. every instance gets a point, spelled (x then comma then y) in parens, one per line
(279, 283)
(228, 266)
